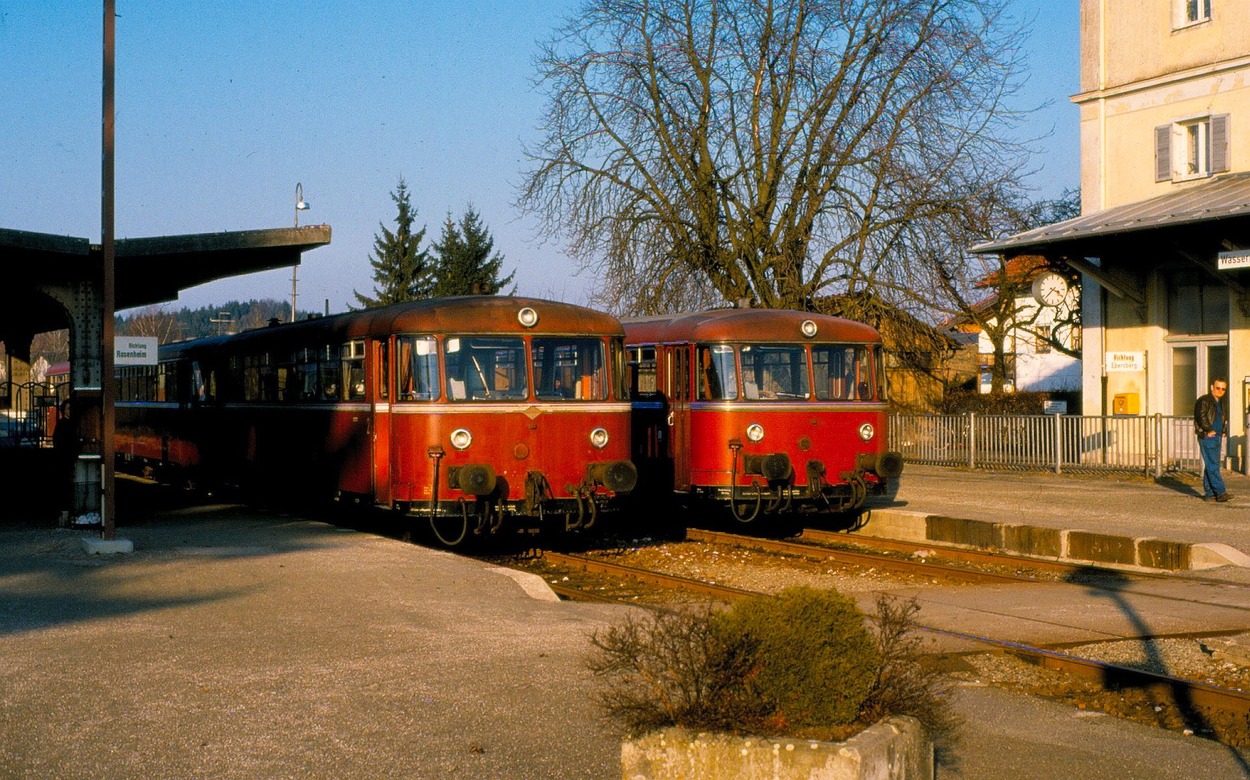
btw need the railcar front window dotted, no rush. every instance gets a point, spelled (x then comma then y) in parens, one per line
(774, 373)
(569, 369)
(843, 372)
(418, 368)
(718, 377)
(485, 369)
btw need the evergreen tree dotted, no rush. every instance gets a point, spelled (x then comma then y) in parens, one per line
(463, 261)
(402, 271)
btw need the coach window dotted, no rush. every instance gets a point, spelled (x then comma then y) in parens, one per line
(718, 378)
(774, 372)
(642, 372)
(328, 385)
(569, 368)
(417, 368)
(482, 368)
(384, 370)
(353, 370)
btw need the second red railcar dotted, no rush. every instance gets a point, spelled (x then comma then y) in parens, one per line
(768, 412)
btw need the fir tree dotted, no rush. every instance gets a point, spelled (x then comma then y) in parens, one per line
(402, 271)
(464, 264)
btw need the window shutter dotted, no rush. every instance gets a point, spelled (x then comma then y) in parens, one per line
(1163, 153)
(1219, 143)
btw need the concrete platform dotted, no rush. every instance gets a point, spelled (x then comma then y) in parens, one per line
(236, 643)
(1125, 521)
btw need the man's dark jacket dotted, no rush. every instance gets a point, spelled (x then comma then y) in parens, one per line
(1204, 416)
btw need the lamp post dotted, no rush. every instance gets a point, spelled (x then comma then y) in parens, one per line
(300, 205)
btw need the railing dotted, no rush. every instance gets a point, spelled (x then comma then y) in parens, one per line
(26, 409)
(1150, 445)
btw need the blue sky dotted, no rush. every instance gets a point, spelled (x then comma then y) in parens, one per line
(223, 107)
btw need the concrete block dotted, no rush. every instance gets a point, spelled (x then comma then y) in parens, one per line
(1163, 554)
(1209, 555)
(895, 524)
(894, 749)
(1101, 548)
(97, 546)
(534, 586)
(960, 530)
(1030, 540)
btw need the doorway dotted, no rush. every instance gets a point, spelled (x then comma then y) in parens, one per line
(1195, 365)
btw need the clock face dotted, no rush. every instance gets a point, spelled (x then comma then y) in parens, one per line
(1049, 288)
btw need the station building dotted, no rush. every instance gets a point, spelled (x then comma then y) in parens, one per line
(1163, 242)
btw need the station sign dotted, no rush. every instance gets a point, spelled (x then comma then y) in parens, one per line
(1233, 261)
(1118, 362)
(134, 351)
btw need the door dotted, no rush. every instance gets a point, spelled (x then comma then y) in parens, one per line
(380, 397)
(1195, 365)
(678, 390)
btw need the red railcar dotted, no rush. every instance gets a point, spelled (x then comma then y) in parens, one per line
(478, 413)
(768, 412)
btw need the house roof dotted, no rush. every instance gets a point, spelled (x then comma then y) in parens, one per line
(1224, 198)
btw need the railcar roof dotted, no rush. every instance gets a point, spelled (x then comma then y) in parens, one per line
(463, 314)
(750, 325)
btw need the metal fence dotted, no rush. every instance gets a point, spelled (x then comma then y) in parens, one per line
(25, 412)
(1150, 445)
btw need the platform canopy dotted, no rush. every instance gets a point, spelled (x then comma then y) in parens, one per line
(148, 270)
(1206, 218)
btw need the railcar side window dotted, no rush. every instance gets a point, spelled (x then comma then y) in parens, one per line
(485, 369)
(618, 369)
(418, 368)
(328, 374)
(642, 382)
(774, 372)
(569, 368)
(353, 370)
(843, 373)
(718, 378)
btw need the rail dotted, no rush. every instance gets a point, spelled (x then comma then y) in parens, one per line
(1156, 444)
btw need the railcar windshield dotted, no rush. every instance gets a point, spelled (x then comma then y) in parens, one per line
(843, 372)
(483, 368)
(569, 368)
(718, 376)
(774, 372)
(417, 370)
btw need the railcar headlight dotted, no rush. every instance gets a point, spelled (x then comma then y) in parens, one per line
(808, 328)
(599, 438)
(755, 432)
(527, 317)
(866, 431)
(461, 439)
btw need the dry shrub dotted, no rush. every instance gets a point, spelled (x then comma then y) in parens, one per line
(800, 663)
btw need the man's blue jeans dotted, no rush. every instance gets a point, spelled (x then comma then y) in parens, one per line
(1212, 482)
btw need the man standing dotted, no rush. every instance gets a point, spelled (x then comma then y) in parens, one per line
(1210, 425)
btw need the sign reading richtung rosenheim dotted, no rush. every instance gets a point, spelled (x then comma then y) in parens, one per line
(1232, 261)
(134, 351)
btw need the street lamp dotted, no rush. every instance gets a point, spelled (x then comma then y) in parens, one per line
(300, 205)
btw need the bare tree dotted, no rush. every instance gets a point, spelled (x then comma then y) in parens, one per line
(153, 321)
(773, 150)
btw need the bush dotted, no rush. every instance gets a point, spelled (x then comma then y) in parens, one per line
(800, 663)
(672, 669)
(813, 660)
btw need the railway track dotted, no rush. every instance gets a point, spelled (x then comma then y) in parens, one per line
(1183, 694)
